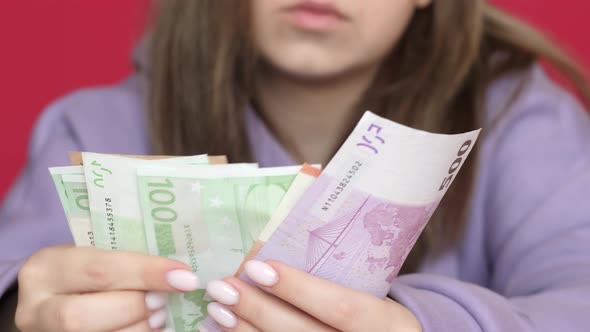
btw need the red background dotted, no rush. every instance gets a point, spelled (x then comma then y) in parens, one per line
(50, 47)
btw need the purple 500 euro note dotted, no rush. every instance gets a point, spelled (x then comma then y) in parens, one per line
(359, 220)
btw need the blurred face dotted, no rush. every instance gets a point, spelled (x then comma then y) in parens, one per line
(323, 39)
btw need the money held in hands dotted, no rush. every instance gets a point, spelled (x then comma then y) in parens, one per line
(353, 223)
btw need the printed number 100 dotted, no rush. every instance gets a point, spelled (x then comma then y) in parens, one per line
(455, 165)
(162, 197)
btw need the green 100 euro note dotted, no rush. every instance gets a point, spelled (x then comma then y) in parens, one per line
(207, 219)
(71, 187)
(114, 207)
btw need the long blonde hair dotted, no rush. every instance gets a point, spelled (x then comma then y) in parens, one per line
(202, 60)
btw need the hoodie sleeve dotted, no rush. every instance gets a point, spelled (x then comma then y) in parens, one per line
(30, 216)
(536, 228)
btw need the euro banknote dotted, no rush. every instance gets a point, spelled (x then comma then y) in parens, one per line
(207, 219)
(114, 205)
(358, 221)
(70, 184)
(361, 217)
(302, 182)
(114, 202)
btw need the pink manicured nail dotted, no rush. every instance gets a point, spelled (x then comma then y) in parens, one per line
(169, 329)
(158, 318)
(222, 315)
(156, 300)
(183, 280)
(261, 273)
(223, 292)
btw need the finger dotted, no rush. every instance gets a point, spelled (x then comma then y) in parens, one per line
(142, 326)
(263, 311)
(227, 320)
(106, 311)
(87, 269)
(342, 308)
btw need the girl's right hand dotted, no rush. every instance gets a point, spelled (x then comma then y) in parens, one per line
(67, 288)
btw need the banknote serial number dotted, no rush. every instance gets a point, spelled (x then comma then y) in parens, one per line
(344, 182)
(111, 222)
(91, 238)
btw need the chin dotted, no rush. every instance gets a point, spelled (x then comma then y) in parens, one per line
(317, 68)
(309, 75)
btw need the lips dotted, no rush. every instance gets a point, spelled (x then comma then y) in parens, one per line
(315, 15)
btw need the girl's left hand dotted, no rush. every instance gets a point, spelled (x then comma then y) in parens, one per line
(292, 300)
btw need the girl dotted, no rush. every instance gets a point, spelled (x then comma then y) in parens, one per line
(284, 81)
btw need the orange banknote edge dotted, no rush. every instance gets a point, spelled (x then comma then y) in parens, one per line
(76, 158)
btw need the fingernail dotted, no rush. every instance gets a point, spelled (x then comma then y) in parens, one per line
(155, 300)
(158, 318)
(261, 273)
(183, 280)
(169, 329)
(223, 292)
(221, 315)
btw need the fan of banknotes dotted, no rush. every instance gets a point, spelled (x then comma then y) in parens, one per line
(353, 223)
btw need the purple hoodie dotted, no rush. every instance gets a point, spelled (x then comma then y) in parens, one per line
(523, 264)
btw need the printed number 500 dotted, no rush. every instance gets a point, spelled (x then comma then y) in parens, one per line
(455, 165)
